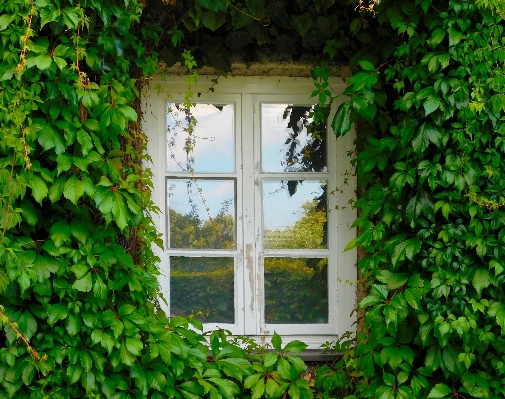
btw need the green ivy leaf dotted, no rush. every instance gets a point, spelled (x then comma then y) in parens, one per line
(258, 389)
(56, 189)
(213, 20)
(276, 341)
(295, 346)
(73, 324)
(270, 359)
(128, 112)
(43, 61)
(83, 284)
(73, 189)
(27, 325)
(436, 37)
(85, 141)
(88, 381)
(341, 123)
(214, 5)
(5, 21)
(255, 6)
(454, 36)
(413, 297)
(481, 280)
(56, 312)
(366, 65)
(301, 23)
(440, 391)
(134, 346)
(39, 188)
(431, 104)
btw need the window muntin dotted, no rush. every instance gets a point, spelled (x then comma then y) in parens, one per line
(250, 257)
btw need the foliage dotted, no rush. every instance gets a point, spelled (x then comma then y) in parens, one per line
(429, 105)
(78, 278)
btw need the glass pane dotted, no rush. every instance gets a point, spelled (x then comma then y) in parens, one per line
(294, 214)
(201, 213)
(203, 287)
(195, 149)
(286, 145)
(296, 290)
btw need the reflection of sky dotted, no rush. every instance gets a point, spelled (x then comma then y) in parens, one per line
(214, 192)
(282, 210)
(214, 139)
(214, 152)
(274, 133)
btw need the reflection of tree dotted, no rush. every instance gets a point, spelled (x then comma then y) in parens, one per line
(312, 156)
(309, 158)
(296, 289)
(308, 232)
(202, 285)
(188, 231)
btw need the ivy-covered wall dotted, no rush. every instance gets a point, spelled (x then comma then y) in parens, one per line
(78, 291)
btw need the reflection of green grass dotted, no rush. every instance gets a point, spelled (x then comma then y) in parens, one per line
(296, 290)
(203, 285)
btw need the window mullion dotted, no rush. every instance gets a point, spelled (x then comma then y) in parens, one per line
(249, 246)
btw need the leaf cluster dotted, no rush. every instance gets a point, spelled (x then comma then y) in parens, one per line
(430, 118)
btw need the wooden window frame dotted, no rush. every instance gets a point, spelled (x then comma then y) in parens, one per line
(247, 93)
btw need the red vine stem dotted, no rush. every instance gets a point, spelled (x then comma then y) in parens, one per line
(84, 84)
(25, 39)
(10, 194)
(28, 346)
(370, 6)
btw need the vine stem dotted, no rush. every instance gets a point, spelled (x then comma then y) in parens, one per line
(27, 343)
(22, 61)
(81, 74)
(10, 194)
(265, 22)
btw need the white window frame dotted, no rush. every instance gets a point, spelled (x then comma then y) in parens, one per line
(247, 93)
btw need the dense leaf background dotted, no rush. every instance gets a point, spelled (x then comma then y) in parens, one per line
(78, 291)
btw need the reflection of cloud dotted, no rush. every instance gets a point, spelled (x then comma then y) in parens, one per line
(213, 135)
(274, 133)
(214, 192)
(281, 210)
(274, 127)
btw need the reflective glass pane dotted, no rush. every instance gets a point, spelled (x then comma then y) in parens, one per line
(209, 147)
(294, 214)
(201, 213)
(202, 287)
(296, 290)
(286, 144)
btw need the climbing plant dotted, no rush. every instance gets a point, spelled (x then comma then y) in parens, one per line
(429, 106)
(78, 292)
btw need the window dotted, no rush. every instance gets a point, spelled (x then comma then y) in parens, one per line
(255, 208)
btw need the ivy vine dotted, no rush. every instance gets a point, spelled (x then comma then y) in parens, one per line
(80, 300)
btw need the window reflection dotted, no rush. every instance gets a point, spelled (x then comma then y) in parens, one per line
(202, 286)
(286, 143)
(202, 213)
(294, 217)
(296, 290)
(209, 146)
